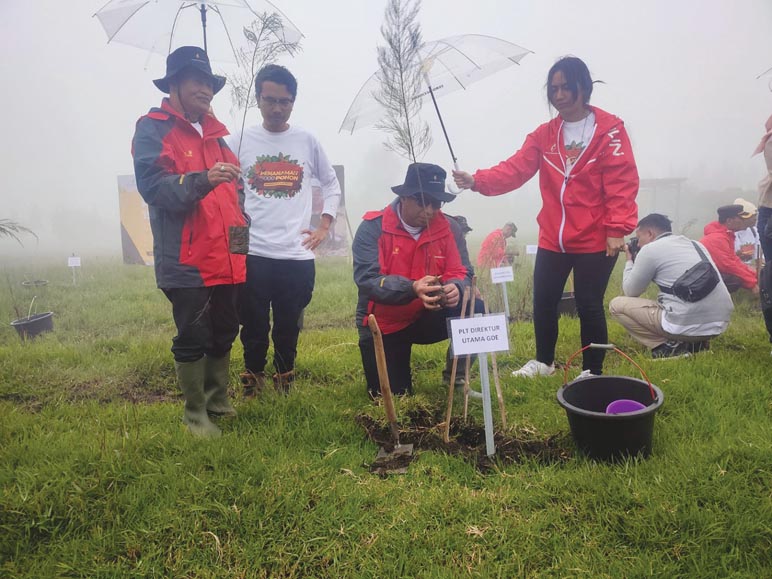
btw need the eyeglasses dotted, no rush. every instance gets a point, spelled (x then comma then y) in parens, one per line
(424, 200)
(283, 103)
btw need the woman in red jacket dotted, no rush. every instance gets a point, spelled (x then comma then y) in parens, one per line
(589, 182)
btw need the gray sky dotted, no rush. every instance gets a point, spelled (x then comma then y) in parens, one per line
(681, 73)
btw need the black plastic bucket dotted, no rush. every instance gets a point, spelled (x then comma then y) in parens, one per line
(34, 325)
(605, 436)
(567, 305)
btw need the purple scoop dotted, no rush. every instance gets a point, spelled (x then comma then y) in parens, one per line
(624, 405)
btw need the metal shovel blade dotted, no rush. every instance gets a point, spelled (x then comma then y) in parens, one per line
(393, 461)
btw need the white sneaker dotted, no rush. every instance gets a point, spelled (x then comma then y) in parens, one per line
(534, 368)
(585, 374)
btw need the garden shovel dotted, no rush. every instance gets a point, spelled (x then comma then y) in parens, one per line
(393, 461)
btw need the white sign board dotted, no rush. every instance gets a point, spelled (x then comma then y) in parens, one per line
(479, 334)
(73, 262)
(502, 274)
(531, 249)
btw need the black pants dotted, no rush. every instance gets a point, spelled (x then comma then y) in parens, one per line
(430, 328)
(283, 286)
(591, 274)
(206, 319)
(761, 227)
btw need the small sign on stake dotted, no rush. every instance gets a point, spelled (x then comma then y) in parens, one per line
(73, 262)
(531, 249)
(502, 274)
(480, 335)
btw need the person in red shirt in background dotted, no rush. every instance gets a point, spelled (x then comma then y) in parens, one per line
(719, 241)
(589, 183)
(493, 252)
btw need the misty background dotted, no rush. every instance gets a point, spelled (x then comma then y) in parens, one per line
(680, 73)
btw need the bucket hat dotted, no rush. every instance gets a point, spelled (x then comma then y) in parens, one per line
(188, 57)
(424, 178)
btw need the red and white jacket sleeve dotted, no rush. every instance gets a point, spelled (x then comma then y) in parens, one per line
(620, 184)
(512, 173)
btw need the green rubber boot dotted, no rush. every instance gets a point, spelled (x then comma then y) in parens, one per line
(216, 380)
(190, 375)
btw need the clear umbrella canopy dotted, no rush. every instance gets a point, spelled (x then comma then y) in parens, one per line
(160, 26)
(448, 64)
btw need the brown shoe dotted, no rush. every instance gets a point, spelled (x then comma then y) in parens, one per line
(283, 382)
(254, 383)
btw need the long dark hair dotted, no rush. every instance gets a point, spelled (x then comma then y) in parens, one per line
(577, 77)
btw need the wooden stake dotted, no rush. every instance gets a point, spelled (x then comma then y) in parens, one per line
(452, 385)
(468, 362)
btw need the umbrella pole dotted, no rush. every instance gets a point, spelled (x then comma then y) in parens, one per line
(203, 24)
(442, 124)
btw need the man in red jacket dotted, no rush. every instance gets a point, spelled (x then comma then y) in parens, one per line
(409, 273)
(493, 251)
(719, 241)
(190, 180)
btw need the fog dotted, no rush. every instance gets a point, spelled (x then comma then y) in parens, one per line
(681, 74)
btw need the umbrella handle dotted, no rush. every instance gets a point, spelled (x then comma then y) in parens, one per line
(451, 184)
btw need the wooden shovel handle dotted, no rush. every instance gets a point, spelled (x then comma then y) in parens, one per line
(383, 375)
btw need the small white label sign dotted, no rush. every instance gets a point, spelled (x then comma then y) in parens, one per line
(73, 262)
(531, 249)
(502, 274)
(479, 334)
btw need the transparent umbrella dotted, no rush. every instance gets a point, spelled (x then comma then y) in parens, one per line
(767, 72)
(160, 26)
(448, 65)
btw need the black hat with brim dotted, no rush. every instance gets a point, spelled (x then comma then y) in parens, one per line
(188, 57)
(727, 211)
(426, 179)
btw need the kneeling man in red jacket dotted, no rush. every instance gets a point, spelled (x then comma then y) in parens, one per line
(409, 273)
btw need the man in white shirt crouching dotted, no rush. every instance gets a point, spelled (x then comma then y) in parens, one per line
(670, 326)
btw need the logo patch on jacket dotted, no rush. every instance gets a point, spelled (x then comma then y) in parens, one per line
(188, 153)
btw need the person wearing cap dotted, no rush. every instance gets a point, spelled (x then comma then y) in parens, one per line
(493, 251)
(190, 180)
(670, 327)
(746, 241)
(409, 273)
(719, 239)
(280, 163)
(588, 181)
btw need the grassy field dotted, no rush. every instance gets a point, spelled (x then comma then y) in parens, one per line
(100, 479)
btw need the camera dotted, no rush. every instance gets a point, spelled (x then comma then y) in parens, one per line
(633, 247)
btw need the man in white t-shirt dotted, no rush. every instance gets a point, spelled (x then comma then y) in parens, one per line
(278, 163)
(747, 244)
(671, 327)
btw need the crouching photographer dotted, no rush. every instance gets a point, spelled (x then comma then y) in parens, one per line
(693, 304)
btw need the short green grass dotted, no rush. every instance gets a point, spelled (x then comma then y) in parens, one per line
(100, 479)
